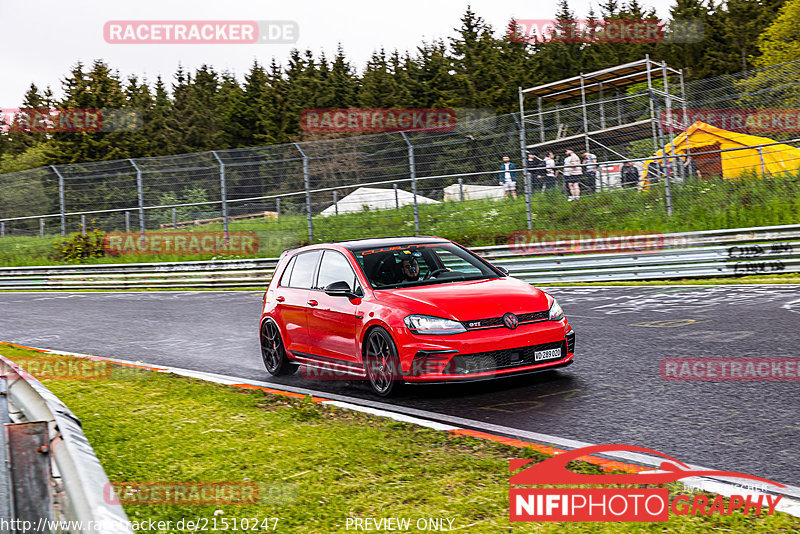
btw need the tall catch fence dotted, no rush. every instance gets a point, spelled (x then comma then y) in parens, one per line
(448, 183)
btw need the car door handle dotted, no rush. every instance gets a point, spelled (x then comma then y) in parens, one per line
(280, 299)
(312, 302)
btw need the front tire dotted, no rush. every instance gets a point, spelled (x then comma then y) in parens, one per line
(382, 363)
(273, 352)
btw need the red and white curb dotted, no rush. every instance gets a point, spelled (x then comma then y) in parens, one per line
(623, 461)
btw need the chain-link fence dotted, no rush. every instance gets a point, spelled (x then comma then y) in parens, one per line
(451, 183)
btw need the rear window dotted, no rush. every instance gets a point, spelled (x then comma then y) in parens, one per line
(302, 275)
(287, 273)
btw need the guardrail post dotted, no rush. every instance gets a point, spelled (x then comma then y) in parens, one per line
(140, 195)
(127, 221)
(223, 194)
(61, 201)
(461, 189)
(413, 171)
(174, 218)
(41, 227)
(307, 186)
(335, 202)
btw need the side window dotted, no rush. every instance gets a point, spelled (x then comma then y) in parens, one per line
(302, 276)
(287, 273)
(335, 268)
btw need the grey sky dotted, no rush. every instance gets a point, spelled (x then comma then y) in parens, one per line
(41, 39)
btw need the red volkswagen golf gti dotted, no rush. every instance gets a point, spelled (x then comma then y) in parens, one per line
(407, 310)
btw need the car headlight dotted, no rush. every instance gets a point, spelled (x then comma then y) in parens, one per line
(425, 324)
(556, 313)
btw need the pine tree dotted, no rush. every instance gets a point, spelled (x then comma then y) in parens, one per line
(779, 42)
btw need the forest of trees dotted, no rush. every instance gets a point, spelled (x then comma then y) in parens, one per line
(478, 67)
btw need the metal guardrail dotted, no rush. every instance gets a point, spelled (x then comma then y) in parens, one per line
(727, 252)
(74, 491)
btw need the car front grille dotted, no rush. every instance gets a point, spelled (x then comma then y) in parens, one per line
(464, 364)
(496, 322)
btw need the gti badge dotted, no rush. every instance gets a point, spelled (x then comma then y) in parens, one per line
(511, 321)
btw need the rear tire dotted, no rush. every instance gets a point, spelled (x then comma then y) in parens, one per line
(382, 363)
(273, 352)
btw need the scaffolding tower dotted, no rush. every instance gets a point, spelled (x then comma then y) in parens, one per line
(602, 109)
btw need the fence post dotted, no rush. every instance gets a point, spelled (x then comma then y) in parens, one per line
(412, 169)
(461, 189)
(61, 201)
(223, 194)
(2, 229)
(396, 197)
(307, 185)
(278, 207)
(523, 152)
(41, 227)
(127, 221)
(83, 224)
(174, 218)
(140, 194)
(761, 157)
(335, 202)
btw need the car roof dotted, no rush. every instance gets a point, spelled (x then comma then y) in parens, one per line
(358, 244)
(367, 243)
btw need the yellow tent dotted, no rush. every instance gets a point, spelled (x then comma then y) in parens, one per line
(701, 137)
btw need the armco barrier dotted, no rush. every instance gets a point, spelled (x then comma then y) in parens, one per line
(78, 478)
(692, 254)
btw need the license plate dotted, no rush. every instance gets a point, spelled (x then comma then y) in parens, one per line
(549, 354)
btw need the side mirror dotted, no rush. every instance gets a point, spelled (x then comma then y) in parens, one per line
(502, 269)
(339, 289)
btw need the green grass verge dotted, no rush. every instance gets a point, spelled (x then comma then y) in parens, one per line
(330, 464)
(698, 205)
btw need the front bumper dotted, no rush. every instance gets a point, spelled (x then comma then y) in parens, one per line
(478, 360)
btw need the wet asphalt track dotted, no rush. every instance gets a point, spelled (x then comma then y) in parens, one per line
(612, 394)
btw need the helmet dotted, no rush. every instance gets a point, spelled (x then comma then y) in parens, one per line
(409, 266)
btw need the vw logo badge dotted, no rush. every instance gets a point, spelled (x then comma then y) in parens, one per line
(511, 321)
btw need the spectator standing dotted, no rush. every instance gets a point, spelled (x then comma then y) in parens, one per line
(654, 172)
(536, 166)
(573, 174)
(508, 179)
(629, 174)
(691, 168)
(590, 172)
(550, 171)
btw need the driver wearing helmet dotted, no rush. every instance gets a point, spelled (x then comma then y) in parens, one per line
(409, 267)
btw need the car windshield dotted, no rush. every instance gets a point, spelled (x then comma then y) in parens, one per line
(420, 264)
